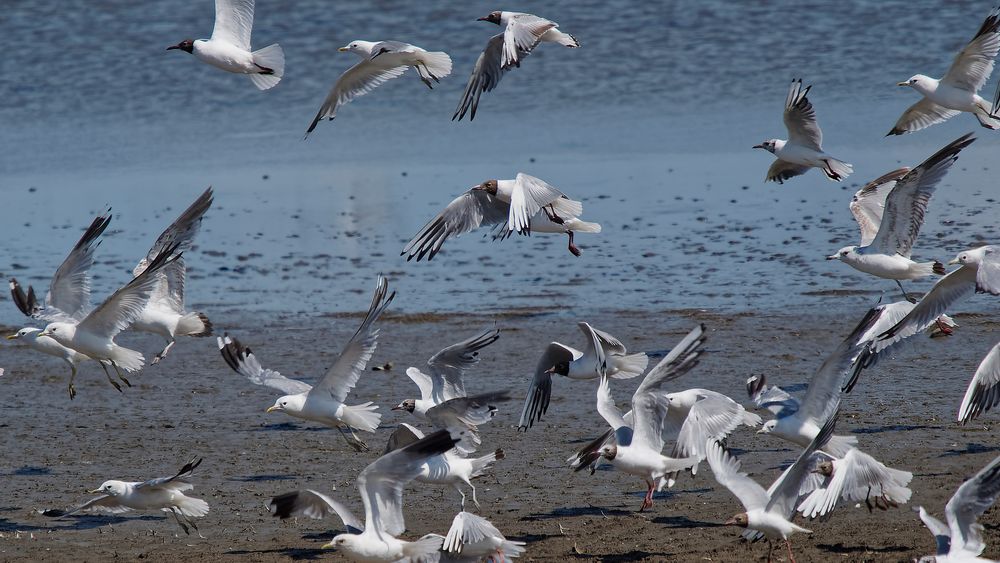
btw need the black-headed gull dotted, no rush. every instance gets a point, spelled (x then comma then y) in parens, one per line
(164, 314)
(523, 205)
(462, 417)
(324, 402)
(472, 539)
(381, 61)
(853, 478)
(449, 468)
(68, 298)
(961, 541)
(890, 220)
(957, 91)
(504, 51)
(983, 392)
(603, 352)
(445, 377)
(229, 46)
(381, 486)
(804, 148)
(163, 493)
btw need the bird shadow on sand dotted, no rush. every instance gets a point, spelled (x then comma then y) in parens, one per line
(287, 427)
(683, 522)
(30, 470)
(11, 527)
(263, 478)
(575, 511)
(971, 448)
(295, 553)
(890, 428)
(92, 521)
(636, 555)
(849, 549)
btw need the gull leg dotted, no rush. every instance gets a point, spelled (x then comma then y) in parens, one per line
(120, 374)
(647, 502)
(163, 353)
(72, 376)
(550, 212)
(572, 247)
(110, 379)
(352, 440)
(474, 501)
(788, 543)
(905, 295)
(945, 329)
(174, 511)
(193, 525)
(770, 548)
(461, 492)
(359, 443)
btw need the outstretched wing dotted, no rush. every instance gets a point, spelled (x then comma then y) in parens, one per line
(800, 118)
(868, 203)
(973, 66)
(234, 22)
(530, 195)
(312, 504)
(921, 115)
(522, 34)
(356, 81)
(243, 361)
(404, 435)
(536, 402)
(175, 482)
(451, 363)
(462, 416)
(984, 392)
(969, 502)
(181, 232)
(726, 469)
(465, 213)
(485, 76)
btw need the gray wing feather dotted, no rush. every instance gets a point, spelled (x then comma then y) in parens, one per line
(243, 361)
(465, 213)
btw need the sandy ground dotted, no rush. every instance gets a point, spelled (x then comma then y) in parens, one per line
(192, 405)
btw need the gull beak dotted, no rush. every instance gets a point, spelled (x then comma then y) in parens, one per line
(342, 50)
(761, 431)
(832, 257)
(12, 336)
(43, 333)
(731, 522)
(272, 409)
(94, 491)
(485, 19)
(551, 370)
(951, 262)
(173, 47)
(904, 83)
(757, 147)
(398, 407)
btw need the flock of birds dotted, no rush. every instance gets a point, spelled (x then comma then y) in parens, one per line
(830, 470)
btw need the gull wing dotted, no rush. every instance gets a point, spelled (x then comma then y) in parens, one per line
(536, 402)
(921, 115)
(713, 416)
(950, 289)
(972, 67)
(530, 195)
(983, 393)
(461, 417)
(356, 81)
(522, 34)
(969, 502)
(726, 469)
(243, 361)
(773, 399)
(176, 482)
(182, 231)
(233, 22)
(784, 493)
(823, 394)
(69, 290)
(800, 118)
(313, 504)
(381, 483)
(468, 528)
(343, 375)
(103, 503)
(465, 213)
(485, 76)
(868, 203)
(988, 272)
(781, 170)
(404, 435)
(907, 202)
(450, 364)
(942, 535)
(423, 381)
(610, 412)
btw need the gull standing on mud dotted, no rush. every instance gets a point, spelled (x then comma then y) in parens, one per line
(961, 541)
(504, 51)
(804, 148)
(957, 91)
(164, 313)
(604, 354)
(68, 298)
(523, 205)
(381, 61)
(229, 46)
(890, 212)
(323, 403)
(381, 486)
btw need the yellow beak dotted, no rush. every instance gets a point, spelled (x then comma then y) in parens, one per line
(12, 337)
(271, 409)
(327, 546)
(342, 50)
(94, 491)
(951, 262)
(904, 83)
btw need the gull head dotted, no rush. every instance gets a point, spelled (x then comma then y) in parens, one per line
(346, 542)
(288, 403)
(562, 368)
(60, 332)
(609, 452)
(741, 520)
(26, 332)
(768, 427)
(358, 47)
(489, 186)
(824, 468)
(769, 145)
(187, 46)
(844, 254)
(408, 405)
(494, 17)
(974, 256)
(111, 488)
(920, 83)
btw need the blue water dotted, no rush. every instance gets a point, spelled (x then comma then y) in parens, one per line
(649, 123)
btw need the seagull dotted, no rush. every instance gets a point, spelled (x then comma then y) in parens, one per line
(445, 375)
(804, 148)
(888, 314)
(473, 538)
(229, 46)
(449, 468)
(855, 477)
(504, 51)
(164, 314)
(638, 443)
(961, 541)
(957, 91)
(462, 417)
(887, 236)
(68, 298)
(523, 205)
(323, 403)
(768, 512)
(603, 352)
(381, 61)
(381, 486)
(983, 393)
(94, 334)
(163, 493)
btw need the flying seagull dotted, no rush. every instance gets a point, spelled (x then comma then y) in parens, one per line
(381, 61)
(229, 46)
(804, 148)
(523, 205)
(957, 91)
(890, 220)
(473, 538)
(984, 392)
(961, 540)
(323, 403)
(855, 477)
(381, 486)
(504, 51)
(462, 417)
(164, 313)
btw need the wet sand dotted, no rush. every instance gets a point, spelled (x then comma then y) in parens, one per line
(193, 405)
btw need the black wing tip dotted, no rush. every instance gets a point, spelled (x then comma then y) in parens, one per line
(895, 131)
(281, 506)
(433, 444)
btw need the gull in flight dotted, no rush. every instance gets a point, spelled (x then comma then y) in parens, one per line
(449, 468)
(957, 91)
(229, 46)
(855, 477)
(638, 443)
(381, 61)
(473, 538)
(68, 298)
(768, 512)
(604, 354)
(983, 393)
(445, 377)
(163, 493)
(890, 212)
(94, 334)
(804, 148)
(523, 205)
(323, 403)
(504, 51)
(462, 417)
(961, 540)
(164, 314)
(381, 486)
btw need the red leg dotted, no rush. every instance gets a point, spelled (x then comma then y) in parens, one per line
(572, 247)
(790, 556)
(647, 502)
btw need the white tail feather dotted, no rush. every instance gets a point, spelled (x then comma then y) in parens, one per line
(424, 550)
(838, 446)
(194, 324)
(480, 464)
(271, 57)
(579, 226)
(838, 168)
(192, 506)
(127, 359)
(630, 366)
(362, 417)
(438, 63)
